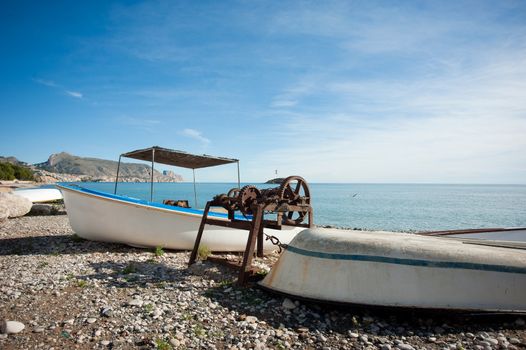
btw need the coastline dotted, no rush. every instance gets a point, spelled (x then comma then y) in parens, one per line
(72, 293)
(8, 186)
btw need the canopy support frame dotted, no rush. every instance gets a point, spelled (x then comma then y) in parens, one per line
(130, 155)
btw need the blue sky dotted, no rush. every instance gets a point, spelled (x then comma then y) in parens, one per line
(335, 91)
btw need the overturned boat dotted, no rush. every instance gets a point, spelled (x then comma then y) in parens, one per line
(40, 195)
(101, 216)
(401, 270)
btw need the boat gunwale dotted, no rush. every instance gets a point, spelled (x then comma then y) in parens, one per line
(143, 203)
(403, 308)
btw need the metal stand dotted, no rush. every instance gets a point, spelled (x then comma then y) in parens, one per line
(255, 228)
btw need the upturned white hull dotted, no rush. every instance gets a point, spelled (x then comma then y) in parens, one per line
(401, 270)
(104, 217)
(40, 195)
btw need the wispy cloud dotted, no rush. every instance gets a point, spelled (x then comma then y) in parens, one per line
(145, 124)
(74, 94)
(45, 82)
(54, 85)
(196, 135)
(462, 125)
(291, 96)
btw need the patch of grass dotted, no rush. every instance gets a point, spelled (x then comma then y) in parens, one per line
(199, 331)
(161, 284)
(162, 344)
(70, 276)
(158, 251)
(147, 308)
(76, 238)
(54, 254)
(130, 268)
(261, 273)
(225, 283)
(43, 264)
(186, 316)
(82, 283)
(151, 261)
(203, 252)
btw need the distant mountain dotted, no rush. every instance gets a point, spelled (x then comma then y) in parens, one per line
(12, 160)
(94, 169)
(277, 180)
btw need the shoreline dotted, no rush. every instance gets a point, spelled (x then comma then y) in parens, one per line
(72, 293)
(9, 186)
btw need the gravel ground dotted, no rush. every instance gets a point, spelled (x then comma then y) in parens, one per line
(76, 294)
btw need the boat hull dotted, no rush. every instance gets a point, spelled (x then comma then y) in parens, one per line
(400, 270)
(40, 195)
(103, 217)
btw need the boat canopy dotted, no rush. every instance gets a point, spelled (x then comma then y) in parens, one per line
(177, 158)
(181, 159)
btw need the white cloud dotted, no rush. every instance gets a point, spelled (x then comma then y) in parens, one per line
(54, 85)
(463, 123)
(45, 82)
(74, 94)
(145, 124)
(196, 135)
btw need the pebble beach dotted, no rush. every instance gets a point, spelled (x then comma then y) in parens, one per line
(69, 293)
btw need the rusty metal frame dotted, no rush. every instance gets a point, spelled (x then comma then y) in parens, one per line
(255, 228)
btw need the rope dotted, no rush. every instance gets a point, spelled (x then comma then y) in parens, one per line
(275, 240)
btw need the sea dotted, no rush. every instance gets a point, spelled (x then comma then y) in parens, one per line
(391, 207)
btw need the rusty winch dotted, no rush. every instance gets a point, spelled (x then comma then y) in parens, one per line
(290, 203)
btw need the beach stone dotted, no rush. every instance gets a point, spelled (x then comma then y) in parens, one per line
(39, 209)
(107, 312)
(288, 304)
(251, 319)
(492, 341)
(4, 212)
(515, 341)
(135, 302)
(405, 347)
(39, 329)
(91, 320)
(14, 205)
(11, 327)
(105, 343)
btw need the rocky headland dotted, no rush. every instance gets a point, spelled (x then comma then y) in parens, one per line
(65, 167)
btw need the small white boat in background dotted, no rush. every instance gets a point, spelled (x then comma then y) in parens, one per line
(400, 270)
(40, 195)
(517, 234)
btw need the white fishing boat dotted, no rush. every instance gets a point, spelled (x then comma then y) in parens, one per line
(515, 234)
(101, 216)
(400, 270)
(40, 195)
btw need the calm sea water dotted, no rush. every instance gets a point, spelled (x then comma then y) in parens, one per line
(399, 207)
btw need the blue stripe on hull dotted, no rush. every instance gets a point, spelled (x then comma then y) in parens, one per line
(410, 262)
(77, 188)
